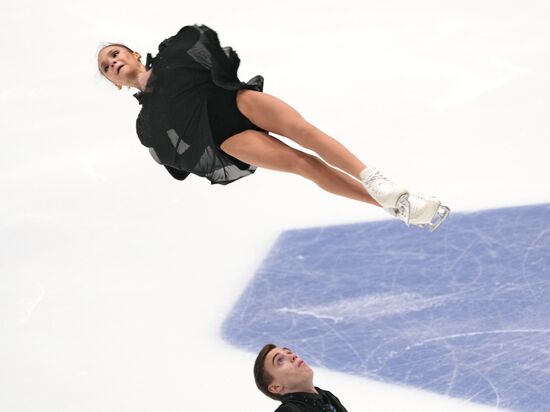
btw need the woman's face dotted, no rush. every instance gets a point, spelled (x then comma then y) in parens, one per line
(119, 65)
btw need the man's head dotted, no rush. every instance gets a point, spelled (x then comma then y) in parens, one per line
(279, 371)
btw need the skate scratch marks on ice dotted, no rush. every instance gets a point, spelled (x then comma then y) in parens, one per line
(371, 307)
(477, 333)
(88, 169)
(30, 305)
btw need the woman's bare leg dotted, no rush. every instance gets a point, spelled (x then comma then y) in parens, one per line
(263, 150)
(274, 115)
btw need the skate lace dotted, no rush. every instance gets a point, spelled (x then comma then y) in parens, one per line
(400, 211)
(377, 180)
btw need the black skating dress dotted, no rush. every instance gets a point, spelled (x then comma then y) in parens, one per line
(189, 106)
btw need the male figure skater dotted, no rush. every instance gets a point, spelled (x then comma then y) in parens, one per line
(284, 376)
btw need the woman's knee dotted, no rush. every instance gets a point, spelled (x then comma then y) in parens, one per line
(303, 133)
(305, 164)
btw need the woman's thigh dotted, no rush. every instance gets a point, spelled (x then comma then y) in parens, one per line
(262, 150)
(272, 114)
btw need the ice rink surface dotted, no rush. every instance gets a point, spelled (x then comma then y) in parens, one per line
(116, 280)
(462, 312)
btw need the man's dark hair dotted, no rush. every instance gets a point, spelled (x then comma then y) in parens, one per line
(262, 378)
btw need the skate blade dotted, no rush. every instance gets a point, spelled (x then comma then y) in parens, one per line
(438, 219)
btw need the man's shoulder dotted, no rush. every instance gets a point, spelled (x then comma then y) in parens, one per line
(334, 401)
(308, 402)
(289, 407)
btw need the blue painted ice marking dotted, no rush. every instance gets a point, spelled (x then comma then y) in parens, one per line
(464, 311)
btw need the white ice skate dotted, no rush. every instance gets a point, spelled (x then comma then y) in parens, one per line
(382, 189)
(421, 212)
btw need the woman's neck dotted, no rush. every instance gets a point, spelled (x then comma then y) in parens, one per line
(142, 79)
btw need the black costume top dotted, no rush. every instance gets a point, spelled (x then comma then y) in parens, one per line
(324, 401)
(175, 121)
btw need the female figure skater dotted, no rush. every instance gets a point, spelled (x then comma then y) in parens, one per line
(198, 117)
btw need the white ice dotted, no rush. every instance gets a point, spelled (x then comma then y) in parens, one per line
(112, 293)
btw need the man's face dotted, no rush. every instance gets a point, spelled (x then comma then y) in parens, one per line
(289, 372)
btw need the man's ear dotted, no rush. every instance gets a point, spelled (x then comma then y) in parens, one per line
(274, 388)
(137, 55)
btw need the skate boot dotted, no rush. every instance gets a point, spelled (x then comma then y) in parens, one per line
(421, 212)
(382, 189)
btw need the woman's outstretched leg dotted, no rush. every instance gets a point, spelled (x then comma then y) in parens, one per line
(274, 115)
(263, 150)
